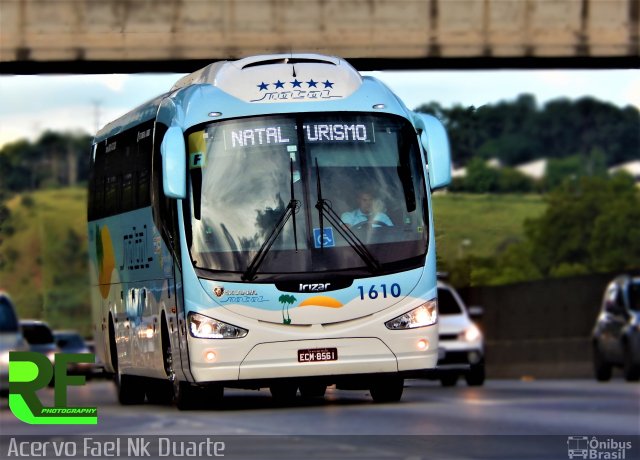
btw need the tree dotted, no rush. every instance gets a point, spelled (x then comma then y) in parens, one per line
(519, 131)
(480, 177)
(589, 222)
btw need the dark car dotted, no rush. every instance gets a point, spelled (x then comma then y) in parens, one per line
(72, 342)
(616, 335)
(40, 338)
(10, 338)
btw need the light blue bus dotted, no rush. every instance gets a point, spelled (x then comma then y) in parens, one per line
(266, 223)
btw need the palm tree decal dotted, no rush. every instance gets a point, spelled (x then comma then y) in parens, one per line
(286, 300)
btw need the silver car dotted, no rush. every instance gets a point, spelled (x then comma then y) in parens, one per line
(11, 339)
(616, 335)
(461, 341)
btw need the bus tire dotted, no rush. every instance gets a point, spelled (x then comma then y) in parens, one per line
(130, 389)
(213, 395)
(283, 392)
(159, 392)
(387, 389)
(312, 390)
(187, 396)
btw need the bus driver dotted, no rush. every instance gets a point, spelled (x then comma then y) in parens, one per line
(368, 213)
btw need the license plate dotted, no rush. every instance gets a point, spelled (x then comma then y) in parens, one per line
(315, 355)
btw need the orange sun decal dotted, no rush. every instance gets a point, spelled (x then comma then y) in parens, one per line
(321, 301)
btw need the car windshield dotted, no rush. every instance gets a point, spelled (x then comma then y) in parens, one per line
(69, 340)
(308, 182)
(8, 320)
(447, 304)
(37, 334)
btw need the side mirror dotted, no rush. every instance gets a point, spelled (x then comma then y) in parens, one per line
(174, 163)
(476, 312)
(435, 142)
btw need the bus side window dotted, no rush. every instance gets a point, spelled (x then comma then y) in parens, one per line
(111, 195)
(128, 196)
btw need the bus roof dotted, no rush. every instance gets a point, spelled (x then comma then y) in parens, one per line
(276, 78)
(279, 78)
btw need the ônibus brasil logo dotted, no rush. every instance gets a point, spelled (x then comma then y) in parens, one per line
(29, 372)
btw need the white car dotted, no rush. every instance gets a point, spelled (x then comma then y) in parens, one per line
(461, 341)
(11, 339)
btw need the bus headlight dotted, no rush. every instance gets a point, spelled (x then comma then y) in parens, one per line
(424, 315)
(204, 327)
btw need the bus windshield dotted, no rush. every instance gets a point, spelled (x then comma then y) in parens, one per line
(364, 170)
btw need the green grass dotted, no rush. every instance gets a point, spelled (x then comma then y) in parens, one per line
(44, 252)
(480, 225)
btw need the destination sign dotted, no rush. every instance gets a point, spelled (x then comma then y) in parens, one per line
(338, 132)
(266, 136)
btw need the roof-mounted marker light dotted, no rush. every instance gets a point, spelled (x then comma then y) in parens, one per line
(379, 106)
(215, 114)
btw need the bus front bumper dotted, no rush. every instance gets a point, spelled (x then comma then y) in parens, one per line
(276, 360)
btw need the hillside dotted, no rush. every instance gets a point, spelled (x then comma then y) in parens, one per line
(480, 224)
(44, 257)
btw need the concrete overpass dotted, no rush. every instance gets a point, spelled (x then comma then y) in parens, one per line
(181, 35)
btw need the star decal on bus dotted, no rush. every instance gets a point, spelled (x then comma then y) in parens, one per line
(263, 86)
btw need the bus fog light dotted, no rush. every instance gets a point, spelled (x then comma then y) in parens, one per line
(424, 315)
(423, 344)
(204, 327)
(210, 356)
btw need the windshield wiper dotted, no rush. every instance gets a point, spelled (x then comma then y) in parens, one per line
(292, 208)
(324, 209)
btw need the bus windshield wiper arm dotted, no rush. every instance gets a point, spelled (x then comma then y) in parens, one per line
(325, 210)
(292, 208)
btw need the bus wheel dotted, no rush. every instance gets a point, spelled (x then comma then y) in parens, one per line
(187, 396)
(312, 390)
(130, 389)
(387, 389)
(159, 391)
(284, 393)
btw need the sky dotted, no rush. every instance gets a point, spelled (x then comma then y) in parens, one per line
(32, 104)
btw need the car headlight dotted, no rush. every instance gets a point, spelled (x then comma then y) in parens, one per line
(470, 334)
(4, 358)
(51, 355)
(424, 315)
(204, 327)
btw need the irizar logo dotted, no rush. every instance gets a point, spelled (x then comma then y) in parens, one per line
(315, 287)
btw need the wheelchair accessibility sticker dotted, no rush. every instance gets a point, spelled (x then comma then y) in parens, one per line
(327, 237)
